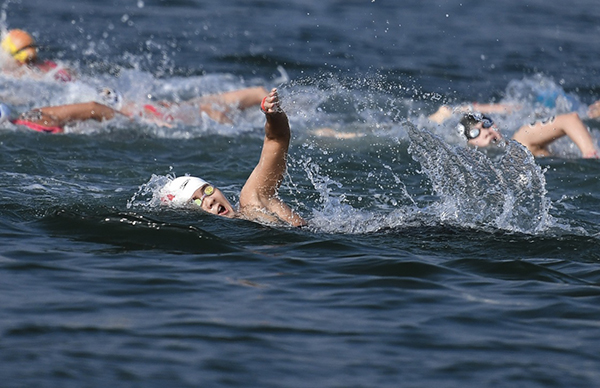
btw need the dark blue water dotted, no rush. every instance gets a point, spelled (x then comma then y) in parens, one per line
(425, 263)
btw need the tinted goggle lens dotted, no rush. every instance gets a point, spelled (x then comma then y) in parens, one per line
(486, 122)
(208, 191)
(33, 46)
(473, 133)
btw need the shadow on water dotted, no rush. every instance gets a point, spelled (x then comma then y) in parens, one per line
(431, 255)
(130, 231)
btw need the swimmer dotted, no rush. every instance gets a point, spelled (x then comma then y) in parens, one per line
(259, 200)
(445, 112)
(481, 131)
(21, 48)
(163, 113)
(53, 119)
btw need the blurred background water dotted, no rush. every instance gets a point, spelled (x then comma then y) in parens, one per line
(425, 263)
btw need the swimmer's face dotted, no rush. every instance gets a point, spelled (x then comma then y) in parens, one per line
(215, 203)
(486, 135)
(20, 45)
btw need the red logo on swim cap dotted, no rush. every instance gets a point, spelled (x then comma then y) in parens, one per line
(168, 197)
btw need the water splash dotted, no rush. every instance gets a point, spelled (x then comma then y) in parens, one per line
(147, 196)
(335, 215)
(362, 204)
(544, 96)
(475, 191)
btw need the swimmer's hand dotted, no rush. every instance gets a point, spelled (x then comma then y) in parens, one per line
(271, 104)
(594, 110)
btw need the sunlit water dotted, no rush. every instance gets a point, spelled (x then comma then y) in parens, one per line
(425, 263)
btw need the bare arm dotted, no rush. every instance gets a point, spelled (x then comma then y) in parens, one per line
(444, 112)
(64, 114)
(260, 190)
(538, 136)
(217, 106)
(242, 98)
(500, 108)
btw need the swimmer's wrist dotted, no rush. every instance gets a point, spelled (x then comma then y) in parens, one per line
(275, 107)
(262, 105)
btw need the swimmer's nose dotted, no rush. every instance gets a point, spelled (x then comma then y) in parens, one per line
(212, 205)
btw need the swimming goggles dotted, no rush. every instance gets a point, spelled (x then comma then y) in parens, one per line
(486, 122)
(16, 52)
(208, 191)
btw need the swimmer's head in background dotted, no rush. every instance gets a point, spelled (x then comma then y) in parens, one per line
(20, 45)
(4, 113)
(111, 97)
(557, 99)
(467, 124)
(180, 191)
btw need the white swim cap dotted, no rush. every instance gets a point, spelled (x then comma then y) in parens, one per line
(4, 113)
(180, 190)
(111, 97)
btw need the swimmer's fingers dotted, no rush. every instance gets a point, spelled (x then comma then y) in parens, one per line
(271, 103)
(594, 110)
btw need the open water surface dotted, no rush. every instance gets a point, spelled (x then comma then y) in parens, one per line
(425, 263)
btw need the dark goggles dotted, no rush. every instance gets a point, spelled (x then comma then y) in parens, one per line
(16, 52)
(486, 122)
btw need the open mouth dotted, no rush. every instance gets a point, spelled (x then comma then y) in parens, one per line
(221, 210)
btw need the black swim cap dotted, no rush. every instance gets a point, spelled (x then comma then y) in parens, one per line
(469, 120)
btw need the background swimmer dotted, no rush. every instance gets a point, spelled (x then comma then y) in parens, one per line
(163, 113)
(481, 131)
(53, 119)
(23, 60)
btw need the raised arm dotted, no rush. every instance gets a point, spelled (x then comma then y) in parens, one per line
(538, 136)
(259, 196)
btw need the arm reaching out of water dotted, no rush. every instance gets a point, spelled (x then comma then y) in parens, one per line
(539, 135)
(594, 110)
(258, 200)
(481, 131)
(260, 192)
